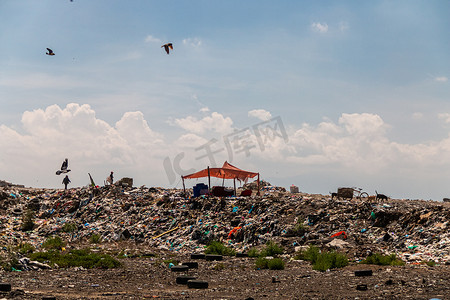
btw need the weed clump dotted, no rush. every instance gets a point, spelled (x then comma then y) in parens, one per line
(69, 227)
(95, 238)
(28, 221)
(323, 260)
(76, 258)
(271, 264)
(53, 243)
(272, 249)
(216, 247)
(383, 260)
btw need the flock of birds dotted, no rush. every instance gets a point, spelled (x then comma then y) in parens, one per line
(166, 47)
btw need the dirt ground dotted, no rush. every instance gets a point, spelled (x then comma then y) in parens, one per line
(231, 278)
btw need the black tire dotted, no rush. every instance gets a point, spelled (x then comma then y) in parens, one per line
(5, 287)
(363, 273)
(197, 256)
(197, 284)
(191, 264)
(364, 196)
(361, 287)
(213, 257)
(179, 268)
(240, 254)
(184, 279)
(48, 298)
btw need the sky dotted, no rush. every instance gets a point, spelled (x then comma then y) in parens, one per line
(319, 94)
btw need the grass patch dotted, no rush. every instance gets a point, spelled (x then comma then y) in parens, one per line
(430, 263)
(383, 260)
(76, 258)
(253, 252)
(95, 238)
(216, 247)
(300, 228)
(69, 227)
(323, 260)
(271, 264)
(28, 221)
(171, 261)
(272, 249)
(25, 248)
(219, 267)
(53, 243)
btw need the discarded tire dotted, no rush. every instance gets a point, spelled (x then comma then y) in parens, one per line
(213, 257)
(5, 287)
(240, 254)
(179, 268)
(363, 273)
(48, 298)
(191, 264)
(361, 287)
(197, 284)
(184, 279)
(197, 256)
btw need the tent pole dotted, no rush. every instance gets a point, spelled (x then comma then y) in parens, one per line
(234, 182)
(184, 187)
(209, 181)
(223, 180)
(258, 185)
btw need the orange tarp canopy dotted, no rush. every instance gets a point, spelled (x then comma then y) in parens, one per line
(227, 171)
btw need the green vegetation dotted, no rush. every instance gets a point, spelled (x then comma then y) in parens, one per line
(216, 247)
(271, 249)
(271, 264)
(76, 258)
(53, 243)
(171, 260)
(300, 228)
(25, 248)
(383, 260)
(253, 252)
(69, 227)
(28, 221)
(323, 260)
(219, 267)
(95, 238)
(430, 263)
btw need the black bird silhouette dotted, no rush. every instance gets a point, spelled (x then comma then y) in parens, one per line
(50, 52)
(167, 46)
(64, 167)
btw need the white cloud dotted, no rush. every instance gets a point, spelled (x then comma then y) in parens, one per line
(152, 39)
(417, 116)
(343, 26)
(215, 122)
(261, 114)
(319, 27)
(204, 109)
(445, 117)
(193, 42)
(441, 79)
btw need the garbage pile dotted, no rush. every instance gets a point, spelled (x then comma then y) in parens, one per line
(167, 219)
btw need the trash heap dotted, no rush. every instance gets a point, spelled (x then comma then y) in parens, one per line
(166, 219)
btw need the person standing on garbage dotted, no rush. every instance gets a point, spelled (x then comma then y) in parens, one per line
(66, 181)
(110, 178)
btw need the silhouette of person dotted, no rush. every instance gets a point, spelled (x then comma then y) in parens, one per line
(66, 181)
(110, 178)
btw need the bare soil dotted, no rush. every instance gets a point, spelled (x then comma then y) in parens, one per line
(232, 278)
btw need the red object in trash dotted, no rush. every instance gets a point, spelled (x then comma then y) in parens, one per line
(339, 233)
(233, 231)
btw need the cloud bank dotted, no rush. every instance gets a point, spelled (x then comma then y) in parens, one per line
(355, 147)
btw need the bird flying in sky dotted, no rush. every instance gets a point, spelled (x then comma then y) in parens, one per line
(50, 52)
(167, 46)
(64, 167)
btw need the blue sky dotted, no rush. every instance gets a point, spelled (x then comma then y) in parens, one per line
(361, 89)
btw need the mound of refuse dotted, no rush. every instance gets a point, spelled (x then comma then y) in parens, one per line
(167, 219)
